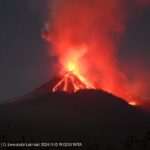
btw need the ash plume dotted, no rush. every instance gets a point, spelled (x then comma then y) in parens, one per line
(88, 32)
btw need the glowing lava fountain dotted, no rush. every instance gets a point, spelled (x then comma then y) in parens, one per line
(71, 81)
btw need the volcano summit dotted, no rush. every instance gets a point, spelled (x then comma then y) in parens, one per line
(71, 83)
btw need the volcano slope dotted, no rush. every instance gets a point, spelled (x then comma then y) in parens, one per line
(87, 115)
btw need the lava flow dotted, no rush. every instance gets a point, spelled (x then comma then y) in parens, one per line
(71, 81)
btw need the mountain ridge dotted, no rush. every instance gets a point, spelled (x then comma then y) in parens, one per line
(85, 114)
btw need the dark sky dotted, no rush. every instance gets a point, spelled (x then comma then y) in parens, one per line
(24, 60)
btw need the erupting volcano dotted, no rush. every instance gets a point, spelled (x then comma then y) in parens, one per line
(84, 38)
(93, 95)
(71, 81)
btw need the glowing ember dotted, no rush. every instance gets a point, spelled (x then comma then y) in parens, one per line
(132, 100)
(133, 103)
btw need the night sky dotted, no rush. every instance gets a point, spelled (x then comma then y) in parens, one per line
(24, 60)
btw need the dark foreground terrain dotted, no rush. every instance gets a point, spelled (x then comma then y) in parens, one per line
(94, 118)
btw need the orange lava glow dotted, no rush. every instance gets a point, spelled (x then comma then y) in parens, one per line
(75, 76)
(71, 80)
(133, 103)
(71, 67)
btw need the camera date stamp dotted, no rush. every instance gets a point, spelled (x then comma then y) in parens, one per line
(41, 144)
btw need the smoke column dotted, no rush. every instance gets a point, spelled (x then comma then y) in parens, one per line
(87, 32)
